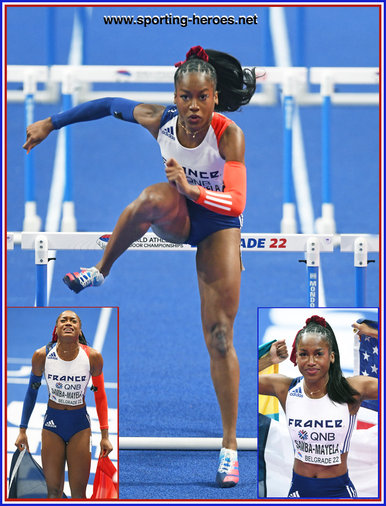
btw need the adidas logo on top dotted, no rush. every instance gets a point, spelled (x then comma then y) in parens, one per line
(50, 424)
(297, 392)
(53, 356)
(169, 132)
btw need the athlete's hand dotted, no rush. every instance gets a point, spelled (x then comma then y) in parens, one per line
(22, 441)
(176, 177)
(106, 447)
(37, 132)
(278, 352)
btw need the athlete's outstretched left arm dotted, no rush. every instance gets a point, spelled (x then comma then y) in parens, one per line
(231, 201)
(96, 363)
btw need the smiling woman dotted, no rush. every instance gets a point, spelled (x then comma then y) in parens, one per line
(320, 408)
(67, 363)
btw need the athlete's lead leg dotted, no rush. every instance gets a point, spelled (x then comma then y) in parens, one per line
(159, 206)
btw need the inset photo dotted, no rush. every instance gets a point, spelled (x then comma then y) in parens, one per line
(62, 403)
(318, 403)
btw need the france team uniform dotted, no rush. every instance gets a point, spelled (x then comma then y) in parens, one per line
(321, 432)
(203, 166)
(67, 383)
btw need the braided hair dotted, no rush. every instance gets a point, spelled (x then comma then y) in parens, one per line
(235, 85)
(338, 388)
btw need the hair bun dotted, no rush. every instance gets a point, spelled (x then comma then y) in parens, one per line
(317, 319)
(197, 52)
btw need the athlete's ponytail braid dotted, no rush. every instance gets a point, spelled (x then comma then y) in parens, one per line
(234, 84)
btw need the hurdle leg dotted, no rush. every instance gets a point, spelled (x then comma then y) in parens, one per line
(326, 223)
(360, 264)
(288, 222)
(68, 210)
(32, 222)
(313, 263)
(50, 272)
(41, 261)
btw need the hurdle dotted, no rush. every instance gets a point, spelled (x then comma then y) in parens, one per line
(327, 78)
(292, 79)
(360, 245)
(30, 77)
(32, 221)
(41, 243)
(183, 443)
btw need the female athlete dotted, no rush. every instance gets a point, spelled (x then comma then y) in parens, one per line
(201, 204)
(321, 408)
(67, 363)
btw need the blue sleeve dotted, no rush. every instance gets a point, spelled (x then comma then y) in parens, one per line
(120, 108)
(30, 399)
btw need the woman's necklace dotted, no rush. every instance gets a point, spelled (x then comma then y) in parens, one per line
(188, 132)
(315, 391)
(74, 351)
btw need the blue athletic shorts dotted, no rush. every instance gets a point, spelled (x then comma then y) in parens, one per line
(66, 422)
(341, 486)
(204, 222)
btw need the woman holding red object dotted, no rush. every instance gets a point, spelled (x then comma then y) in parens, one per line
(67, 363)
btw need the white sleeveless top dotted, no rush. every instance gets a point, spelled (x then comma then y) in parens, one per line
(320, 429)
(203, 164)
(67, 380)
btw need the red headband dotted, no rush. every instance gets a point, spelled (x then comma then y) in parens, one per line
(197, 51)
(314, 319)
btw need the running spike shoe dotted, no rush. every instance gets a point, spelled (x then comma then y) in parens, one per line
(89, 276)
(228, 469)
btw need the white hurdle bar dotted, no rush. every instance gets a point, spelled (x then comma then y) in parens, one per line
(182, 443)
(41, 243)
(360, 245)
(83, 75)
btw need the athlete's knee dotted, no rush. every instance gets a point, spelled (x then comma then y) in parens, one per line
(152, 201)
(220, 340)
(54, 491)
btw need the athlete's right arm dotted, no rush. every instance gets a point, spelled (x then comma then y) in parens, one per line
(273, 384)
(147, 115)
(37, 370)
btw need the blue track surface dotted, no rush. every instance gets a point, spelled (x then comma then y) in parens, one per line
(165, 387)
